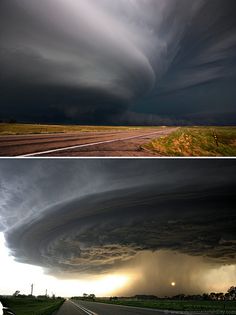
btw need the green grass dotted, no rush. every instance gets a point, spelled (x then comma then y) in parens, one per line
(32, 306)
(22, 129)
(216, 307)
(196, 141)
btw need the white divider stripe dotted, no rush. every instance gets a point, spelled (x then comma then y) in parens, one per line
(83, 308)
(87, 145)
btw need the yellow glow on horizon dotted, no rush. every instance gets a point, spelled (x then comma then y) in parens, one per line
(221, 278)
(111, 283)
(19, 276)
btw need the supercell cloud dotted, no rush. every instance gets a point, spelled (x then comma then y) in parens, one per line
(90, 217)
(124, 61)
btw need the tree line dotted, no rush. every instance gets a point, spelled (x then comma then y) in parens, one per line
(230, 295)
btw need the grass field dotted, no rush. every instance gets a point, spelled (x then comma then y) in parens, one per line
(32, 306)
(216, 307)
(24, 129)
(196, 141)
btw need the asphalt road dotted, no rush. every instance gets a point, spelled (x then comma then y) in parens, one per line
(92, 308)
(117, 144)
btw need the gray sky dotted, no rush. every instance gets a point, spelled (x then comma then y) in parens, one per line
(123, 61)
(161, 218)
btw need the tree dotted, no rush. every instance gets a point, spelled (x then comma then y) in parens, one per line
(220, 296)
(232, 293)
(205, 296)
(16, 293)
(92, 297)
(212, 296)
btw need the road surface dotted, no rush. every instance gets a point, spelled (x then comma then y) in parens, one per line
(92, 308)
(115, 143)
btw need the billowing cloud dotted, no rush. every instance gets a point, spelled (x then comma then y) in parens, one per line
(87, 217)
(76, 59)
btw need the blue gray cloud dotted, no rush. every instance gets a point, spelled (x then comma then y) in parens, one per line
(93, 216)
(100, 61)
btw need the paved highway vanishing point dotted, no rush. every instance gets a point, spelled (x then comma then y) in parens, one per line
(93, 308)
(86, 144)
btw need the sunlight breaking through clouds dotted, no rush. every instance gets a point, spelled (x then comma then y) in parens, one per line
(122, 221)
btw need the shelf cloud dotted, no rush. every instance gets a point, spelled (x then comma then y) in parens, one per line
(90, 217)
(99, 61)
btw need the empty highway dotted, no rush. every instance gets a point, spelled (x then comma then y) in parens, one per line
(92, 308)
(85, 144)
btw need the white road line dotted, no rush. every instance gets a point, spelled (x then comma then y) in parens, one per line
(83, 308)
(87, 145)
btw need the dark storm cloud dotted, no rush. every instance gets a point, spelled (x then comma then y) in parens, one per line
(94, 216)
(102, 61)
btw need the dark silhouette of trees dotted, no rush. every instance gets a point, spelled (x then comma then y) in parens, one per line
(16, 293)
(89, 297)
(231, 293)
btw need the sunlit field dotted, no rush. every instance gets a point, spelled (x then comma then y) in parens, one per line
(196, 141)
(24, 129)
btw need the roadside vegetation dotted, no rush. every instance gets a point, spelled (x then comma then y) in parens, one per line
(28, 305)
(214, 303)
(196, 141)
(24, 129)
(216, 307)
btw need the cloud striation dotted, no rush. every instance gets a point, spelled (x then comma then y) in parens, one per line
(118, 62)
(89, 217)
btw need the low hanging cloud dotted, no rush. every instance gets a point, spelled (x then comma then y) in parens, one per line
(99, 61)
(90, 217)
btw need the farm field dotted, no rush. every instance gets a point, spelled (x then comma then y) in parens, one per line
(215, 307)
(27, 129)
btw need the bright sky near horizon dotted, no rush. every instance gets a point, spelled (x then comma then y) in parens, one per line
(117, 227)
(18, 276)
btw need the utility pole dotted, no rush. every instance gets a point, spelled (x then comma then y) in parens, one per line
(32, 288)
(46, 292)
